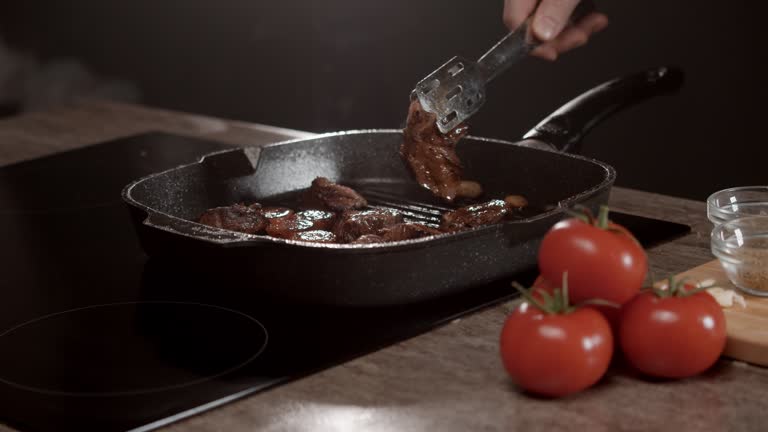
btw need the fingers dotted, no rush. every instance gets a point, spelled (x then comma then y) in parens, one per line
(593, 23)
(550, 24)
(572, 37)
(517, 11)
(569, 39)
(551, 18)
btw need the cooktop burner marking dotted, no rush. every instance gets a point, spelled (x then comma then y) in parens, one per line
(109, 350)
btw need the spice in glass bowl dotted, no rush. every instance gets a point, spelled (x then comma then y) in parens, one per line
(741, 245)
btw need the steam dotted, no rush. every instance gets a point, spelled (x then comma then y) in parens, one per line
(36, 85)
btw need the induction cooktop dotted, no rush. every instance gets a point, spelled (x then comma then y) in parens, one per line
(96, 336)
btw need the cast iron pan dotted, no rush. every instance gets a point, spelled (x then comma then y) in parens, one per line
(164, 206)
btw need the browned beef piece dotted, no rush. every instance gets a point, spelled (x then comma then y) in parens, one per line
(355, 223)
(308, 220)
(317, 236)
(234, 218)
(406, 231)
(516, 201)
(275, 212)
(369, 239)
(325, 194)
(430, 154)
(488, 213)
(321, 220)
(286, 227)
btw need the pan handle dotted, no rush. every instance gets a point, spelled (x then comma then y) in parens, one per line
(564, 128)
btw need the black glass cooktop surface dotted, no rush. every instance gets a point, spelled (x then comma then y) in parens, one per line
(96, 336)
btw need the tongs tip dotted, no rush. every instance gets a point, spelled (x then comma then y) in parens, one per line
(453, 92)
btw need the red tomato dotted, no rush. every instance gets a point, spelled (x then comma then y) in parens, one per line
(555, 354)
(672, 337)
(601, 264)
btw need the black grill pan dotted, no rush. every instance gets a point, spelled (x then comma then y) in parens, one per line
(164, 206)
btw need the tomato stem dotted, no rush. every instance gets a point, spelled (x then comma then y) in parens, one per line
(547, 298)
(680, 290)
(670, 287)
(584, 214)
(557, 302)
(550, 302)
(526, 294)
(602, 217)
(676, 288)
(588, 213)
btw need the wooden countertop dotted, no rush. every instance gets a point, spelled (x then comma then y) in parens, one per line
(450, 379)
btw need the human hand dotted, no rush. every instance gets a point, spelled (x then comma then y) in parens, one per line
(551, 26)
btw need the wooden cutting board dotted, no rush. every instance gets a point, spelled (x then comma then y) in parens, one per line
(747, 327)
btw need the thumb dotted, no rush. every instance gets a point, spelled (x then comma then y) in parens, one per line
(551, 18)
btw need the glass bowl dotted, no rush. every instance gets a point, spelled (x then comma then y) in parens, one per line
(741, 245)
(737, 202)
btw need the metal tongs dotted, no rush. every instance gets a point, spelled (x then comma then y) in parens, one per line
(456, 90)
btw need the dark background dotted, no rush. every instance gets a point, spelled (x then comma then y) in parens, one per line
(350, 64)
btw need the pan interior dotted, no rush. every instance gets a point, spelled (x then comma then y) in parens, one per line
(369, 162)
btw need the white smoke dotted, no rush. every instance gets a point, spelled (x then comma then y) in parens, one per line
(36, 85)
